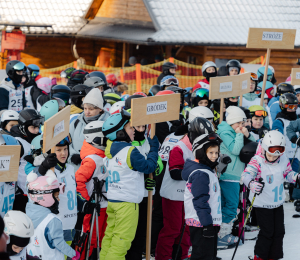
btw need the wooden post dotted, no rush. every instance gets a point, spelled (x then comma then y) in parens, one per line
(265, 77)
(138, 77)
(122, 75)
(124, 55)
(221, 110)
(171, 59)
(241, 101)
(75, 64)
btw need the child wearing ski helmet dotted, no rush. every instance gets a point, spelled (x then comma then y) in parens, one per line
(209, 70)
(202, 197)
(19, 228)
(200, 97)
(270, 75)
(117, 86)
(93, 111)
(76, 77)
(78, 94)
(168, 81)
(92, 166)
(9, 118)
(48, 239)
(12, 95)
(65, 74)
(126, 175)
(232, 132)
(250, 99)
(233, 67)
(258, 115)
(288, 103)
(270, 164)
(168, 69)
(297, 92)
(61, 92)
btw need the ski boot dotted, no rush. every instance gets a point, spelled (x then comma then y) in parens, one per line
(225, 238)
(297, 209)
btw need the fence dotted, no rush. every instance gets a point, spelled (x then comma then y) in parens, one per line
(141, 78)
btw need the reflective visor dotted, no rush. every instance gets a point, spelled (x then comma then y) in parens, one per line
(63, 74)
(254, 77)
(66, 140)
(292, 107)
(19, 66)
(260, 113)
(201, 92)
(38, 122)
(171, 81)
(276, 149)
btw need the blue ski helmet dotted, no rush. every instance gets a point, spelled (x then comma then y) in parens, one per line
(9, 140)
(34, 70)
(261, 72)
(124, 97)
(61, 91)
(49, 109)
(113, 127)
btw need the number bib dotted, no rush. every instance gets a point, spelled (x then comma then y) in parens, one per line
(20, 256)
(170, 141)
(16, 99)
(7, 196)
(249, 103)
(68, 201)
(273, 194)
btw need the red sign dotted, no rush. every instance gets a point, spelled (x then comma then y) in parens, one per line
(13, 41)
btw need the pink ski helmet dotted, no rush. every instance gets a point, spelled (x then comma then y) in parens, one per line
(41, 189)
(44, 84)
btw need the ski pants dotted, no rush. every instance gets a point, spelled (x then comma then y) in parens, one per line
(230, 192)
(87, 227)
(269, 244)
(122, 220)
(173, 212)
(203, 248)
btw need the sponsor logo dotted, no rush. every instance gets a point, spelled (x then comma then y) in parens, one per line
(172, 140)
(103, 169)
(118, 161)
(215, 187)
(36, 241)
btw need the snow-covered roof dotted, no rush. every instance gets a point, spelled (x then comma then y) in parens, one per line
(65, 16)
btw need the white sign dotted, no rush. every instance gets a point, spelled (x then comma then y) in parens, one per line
(272, 36)
(244, 84)
(4, 163)
(156, 108)
(297, 75)
(225, 86)
(59, 128)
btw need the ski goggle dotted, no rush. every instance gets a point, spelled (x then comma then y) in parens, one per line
(254, 77)
(259, 113)
(276, 150)
(66, 140)
(35, 73)
(38, 122)
(19, 66)
(269, 77)
(201, 92)
(170, 81)
(292, 107)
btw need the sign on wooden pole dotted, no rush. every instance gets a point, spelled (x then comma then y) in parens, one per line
(152, 110)
(56, 128)
(295, 76)
(270, 39)
(228, 86)
(9, 162)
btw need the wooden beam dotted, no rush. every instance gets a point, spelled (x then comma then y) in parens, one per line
(93, 10)
(179, 50)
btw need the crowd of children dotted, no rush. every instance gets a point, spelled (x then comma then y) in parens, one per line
(87, 197)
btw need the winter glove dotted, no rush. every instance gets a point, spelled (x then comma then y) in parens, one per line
(29, 158)
(150, 184)
(77, 256)
(38, 160)
(224, 160)
(159, 167)
(209, 231)
(76, 159)
(154, 143)
(256, 187)
(296, 140)
(88, 207)
(49, 162)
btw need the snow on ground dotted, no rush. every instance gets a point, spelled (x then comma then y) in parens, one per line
(291, 246)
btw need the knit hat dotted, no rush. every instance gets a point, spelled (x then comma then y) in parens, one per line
(235, 115)
(94, 97)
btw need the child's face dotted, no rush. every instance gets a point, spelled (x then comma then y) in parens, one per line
(16, 249)
(271, 157)
(272, 92)
(130, 131)
(203, 103)
(298, 97)
(266, 101)
(140, 128)
(10, 124)
(210, 70)
(33, 129)
(233, 72)
(257, 122)
(212, 153)
(252, 85)
(56, 195)
(248, 122)
(238, 124)
(100, 88)
(173, 71)
(62, 153)
(90, 111)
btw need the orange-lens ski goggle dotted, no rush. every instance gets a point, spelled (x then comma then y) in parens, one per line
(254, 77)
(260, 113)
(276, 149)
(292, 107)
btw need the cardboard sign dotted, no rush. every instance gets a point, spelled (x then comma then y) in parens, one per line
(271, 38)
(155, 109)
(229, 86)
(56, 128)
(9, 162)
(295, 76)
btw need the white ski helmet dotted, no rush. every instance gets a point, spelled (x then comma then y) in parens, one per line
(93, 134)
(297, 89)
(207, 65)
(201, 111)
(9, 115)
(117, 107)
(18, 224)
(274, 143)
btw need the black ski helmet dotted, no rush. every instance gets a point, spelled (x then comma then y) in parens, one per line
(78, 76)
(248, 151)
(199, 126)
(62, 92)
(12, 67)
(29, 117)
(154, 90)
(246, 111)
(67, 72)
(284, 88)
(77, 93)
(168, 65)
(233, 63)
(128, 101)
(288, 98)
(222, 71)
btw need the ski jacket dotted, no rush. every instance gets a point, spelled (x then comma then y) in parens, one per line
(202, 83)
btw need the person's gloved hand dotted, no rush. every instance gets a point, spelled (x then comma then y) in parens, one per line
(38, 160)
(296, 140)
(49, 162)
(88, 207)
(209, 231)
(150, 184)
(159, 168)
(77, 256)
(76, 159)
(29, 158)
(154, 142)
(256, 187)
(224, 160)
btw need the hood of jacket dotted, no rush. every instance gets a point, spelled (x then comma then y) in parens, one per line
(15, 132)
(36, 213)
(191, 166)
(75, 110)
(225, 127)
(88, 149)
(250, 96)
(112, 148)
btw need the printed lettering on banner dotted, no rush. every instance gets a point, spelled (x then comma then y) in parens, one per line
(59, 128)
(157, 108)
(272, 36)
(225, 86)
(4, 163)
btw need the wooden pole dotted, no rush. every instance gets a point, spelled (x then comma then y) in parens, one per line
(265, 76)
(149, 208)
(124, 55)
(138, 77)
(221, 110)
(241, 101)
